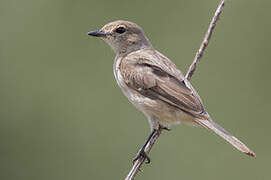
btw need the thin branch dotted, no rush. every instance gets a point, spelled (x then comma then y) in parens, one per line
(139, 162)
(190, 72)
(205, 41)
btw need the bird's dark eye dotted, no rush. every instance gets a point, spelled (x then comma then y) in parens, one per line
(120, 30)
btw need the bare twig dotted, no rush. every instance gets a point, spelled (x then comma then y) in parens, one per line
(205, 41)
(190, 72)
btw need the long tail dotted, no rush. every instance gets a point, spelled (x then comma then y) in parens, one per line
(210, 124)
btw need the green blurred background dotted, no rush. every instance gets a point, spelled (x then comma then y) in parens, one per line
(62, 115)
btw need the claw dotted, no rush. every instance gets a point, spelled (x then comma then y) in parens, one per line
(136, 158)
(166, 128)
(148, 160)
(142, 154)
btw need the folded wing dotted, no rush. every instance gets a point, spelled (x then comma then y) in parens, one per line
(149, 79)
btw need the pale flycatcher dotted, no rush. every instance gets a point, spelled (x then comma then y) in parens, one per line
(154, 85)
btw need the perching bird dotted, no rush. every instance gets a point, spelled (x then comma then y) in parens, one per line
(154, 85)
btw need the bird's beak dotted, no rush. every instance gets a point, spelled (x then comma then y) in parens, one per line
(97, 33)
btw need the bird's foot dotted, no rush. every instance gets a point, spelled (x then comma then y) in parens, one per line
(166, 128)
(142, 154)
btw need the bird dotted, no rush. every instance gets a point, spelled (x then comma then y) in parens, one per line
(154, 84)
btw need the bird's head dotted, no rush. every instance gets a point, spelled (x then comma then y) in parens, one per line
(122, 36)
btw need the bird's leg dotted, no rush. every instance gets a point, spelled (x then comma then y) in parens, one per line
(141, 152)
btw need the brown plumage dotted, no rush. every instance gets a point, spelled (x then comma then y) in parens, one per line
(152, 74)
(154, 84)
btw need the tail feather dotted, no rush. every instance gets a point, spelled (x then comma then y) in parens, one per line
(209, 124)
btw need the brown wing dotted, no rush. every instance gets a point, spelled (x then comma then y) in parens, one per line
(159, 80)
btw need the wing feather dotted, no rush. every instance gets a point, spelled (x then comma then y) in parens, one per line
(154, 79)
